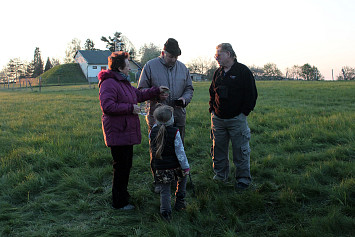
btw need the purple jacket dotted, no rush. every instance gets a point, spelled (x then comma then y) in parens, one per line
(117, 97)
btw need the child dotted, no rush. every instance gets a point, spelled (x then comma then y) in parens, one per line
(169, 160)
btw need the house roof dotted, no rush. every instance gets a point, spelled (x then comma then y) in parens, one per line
(99, 57)
(95, 56)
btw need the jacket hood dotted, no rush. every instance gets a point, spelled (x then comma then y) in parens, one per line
(106, 74)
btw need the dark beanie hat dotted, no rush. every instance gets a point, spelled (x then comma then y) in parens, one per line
(172, 46)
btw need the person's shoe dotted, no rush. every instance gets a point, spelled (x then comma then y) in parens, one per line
(166, 215)
(179, 204)
(239, 186)
(219, 179)
(125, 208)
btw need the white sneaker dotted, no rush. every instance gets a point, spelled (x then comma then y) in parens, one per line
(127, 207)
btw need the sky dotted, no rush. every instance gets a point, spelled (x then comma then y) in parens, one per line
(283, 32)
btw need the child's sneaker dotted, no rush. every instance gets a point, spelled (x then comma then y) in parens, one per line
(125, 208)
(239, 186)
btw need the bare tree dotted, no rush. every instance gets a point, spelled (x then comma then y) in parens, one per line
(72, 48)
(257, 71)
(55, 61)
(129, 47)
(200, 65)
(294, 72)
(347, 73)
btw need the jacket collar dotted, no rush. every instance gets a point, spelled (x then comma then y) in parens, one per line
(162, 61)
(106, 74)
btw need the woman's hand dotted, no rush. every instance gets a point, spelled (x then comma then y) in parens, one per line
(164, 89)
(136, 109)
(164, 93)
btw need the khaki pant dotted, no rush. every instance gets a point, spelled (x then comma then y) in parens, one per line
(237, 131)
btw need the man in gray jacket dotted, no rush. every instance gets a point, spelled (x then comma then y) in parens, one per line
(166, 70)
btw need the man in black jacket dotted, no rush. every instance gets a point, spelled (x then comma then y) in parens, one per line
(233, 96)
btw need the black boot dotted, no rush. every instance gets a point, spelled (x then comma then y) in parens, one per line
(166, 215)
(179, 202)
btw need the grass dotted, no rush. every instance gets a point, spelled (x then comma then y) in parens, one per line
(55, 171)
(64, 74)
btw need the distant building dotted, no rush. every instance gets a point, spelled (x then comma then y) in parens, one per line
(93, 61)
(197, 77)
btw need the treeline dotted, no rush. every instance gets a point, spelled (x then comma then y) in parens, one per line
(270, 71)
(17, 69)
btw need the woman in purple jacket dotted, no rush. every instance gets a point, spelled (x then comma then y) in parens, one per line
(120, 122)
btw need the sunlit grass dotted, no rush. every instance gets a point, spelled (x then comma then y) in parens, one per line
(55, 171)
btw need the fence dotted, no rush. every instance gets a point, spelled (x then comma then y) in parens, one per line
(32, 83)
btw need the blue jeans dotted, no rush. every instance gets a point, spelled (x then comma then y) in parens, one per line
(237, 131)
(165, 193)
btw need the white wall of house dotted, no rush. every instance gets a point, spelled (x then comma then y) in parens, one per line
(82, 62)
(93, 71)
(90, 71)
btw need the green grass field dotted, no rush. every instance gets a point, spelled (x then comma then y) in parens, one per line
(55, 171)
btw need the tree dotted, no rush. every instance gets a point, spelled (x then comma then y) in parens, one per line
(128, 47)
(200, 65)
(257, 71)
(14, 69)
(120, 42)
(148, 52)
(271, 70)
(55, 62)
(29, 70)
(3, 75)
(89, 45)
(37, 63)
(212, 68)
(310, 73)
(347, 73)
(48, 65)
(114, 43)
(294, 72)
(71, 50)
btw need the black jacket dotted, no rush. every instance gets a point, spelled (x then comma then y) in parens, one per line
(233, 92)
(169, 159)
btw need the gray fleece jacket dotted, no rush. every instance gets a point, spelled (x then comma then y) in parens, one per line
(177, 78)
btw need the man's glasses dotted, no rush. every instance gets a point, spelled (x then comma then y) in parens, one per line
(217, 55)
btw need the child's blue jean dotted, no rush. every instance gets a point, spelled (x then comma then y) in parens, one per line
(165, 193)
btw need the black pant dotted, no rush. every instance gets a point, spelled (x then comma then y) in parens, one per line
(122, 163)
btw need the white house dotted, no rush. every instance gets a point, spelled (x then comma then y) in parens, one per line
(93, 61)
